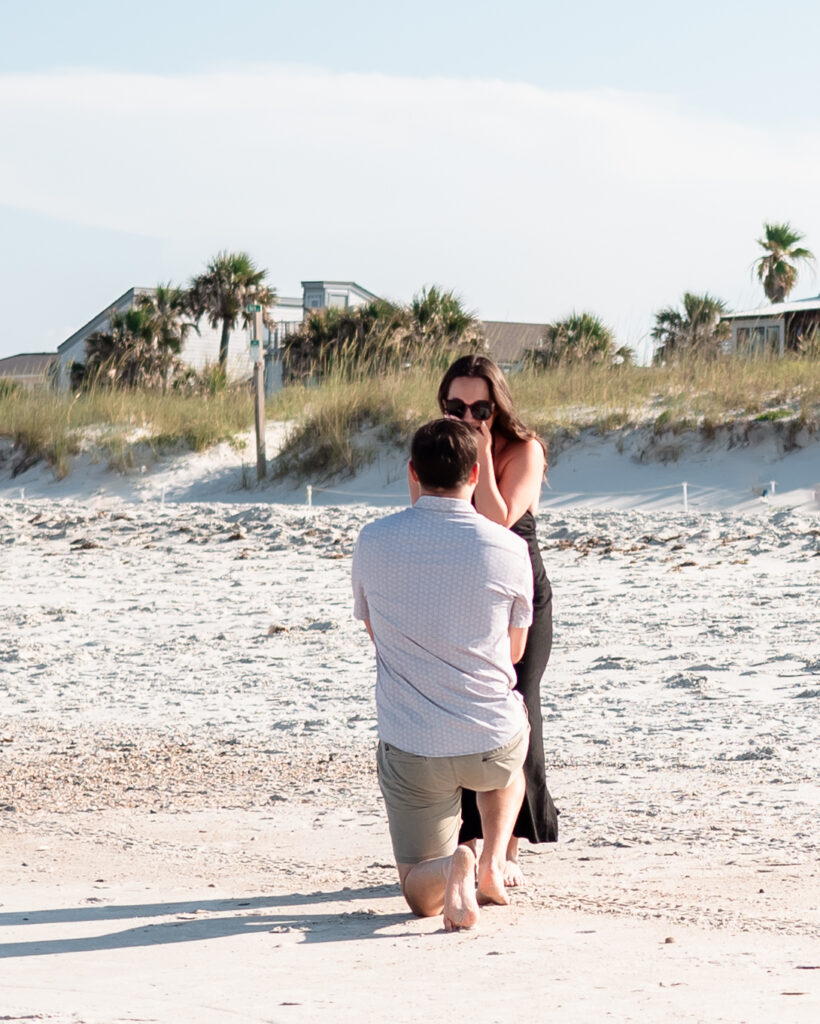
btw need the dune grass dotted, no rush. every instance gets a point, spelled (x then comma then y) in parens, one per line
(47, 425)
(340, 424)
(687, 393)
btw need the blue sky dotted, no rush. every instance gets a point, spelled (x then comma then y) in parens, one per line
(535, 157)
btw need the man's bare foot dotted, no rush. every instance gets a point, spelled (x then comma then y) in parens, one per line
(460, 904)
(513, 875)
(491, 885)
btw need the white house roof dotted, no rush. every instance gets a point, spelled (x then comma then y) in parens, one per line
(101, 319)
(775, 309)
(341, 284)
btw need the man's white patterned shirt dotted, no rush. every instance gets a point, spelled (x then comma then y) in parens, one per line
(440, 585)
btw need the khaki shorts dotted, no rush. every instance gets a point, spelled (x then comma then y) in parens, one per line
(423, 794)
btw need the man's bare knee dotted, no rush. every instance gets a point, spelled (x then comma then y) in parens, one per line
(421, 908)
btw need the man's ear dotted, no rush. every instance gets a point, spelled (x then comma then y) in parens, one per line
(474, 474)
(411, 469)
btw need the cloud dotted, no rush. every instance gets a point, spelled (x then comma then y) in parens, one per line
(529, 202)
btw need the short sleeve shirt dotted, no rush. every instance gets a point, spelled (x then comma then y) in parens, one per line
(441, 585)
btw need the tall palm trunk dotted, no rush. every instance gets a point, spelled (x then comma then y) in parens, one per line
(223, 346)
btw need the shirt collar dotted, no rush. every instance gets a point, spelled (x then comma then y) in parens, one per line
(436, 503)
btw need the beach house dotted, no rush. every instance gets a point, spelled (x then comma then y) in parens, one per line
(202, 346)
(774, 329)
(507, 341)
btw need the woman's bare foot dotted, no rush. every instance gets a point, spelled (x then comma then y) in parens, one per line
(460, 904)
(513, 875)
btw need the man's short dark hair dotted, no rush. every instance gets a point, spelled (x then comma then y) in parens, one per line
(443, 452)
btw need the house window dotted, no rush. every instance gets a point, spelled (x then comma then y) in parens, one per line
(760, 340)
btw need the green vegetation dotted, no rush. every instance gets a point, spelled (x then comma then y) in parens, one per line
(696, 331)
(776, 268)
(771, 415)
(381, 336)
(141, 347)
(223, 292)
(117, 423)
(579, 338)
(362, 379)
(342, 423)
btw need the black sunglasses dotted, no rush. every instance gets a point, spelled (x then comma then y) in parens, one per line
(480, 410)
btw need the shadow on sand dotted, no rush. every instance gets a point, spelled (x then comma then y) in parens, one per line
(214, 919)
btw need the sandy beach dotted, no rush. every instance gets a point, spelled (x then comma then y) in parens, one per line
(191, 825)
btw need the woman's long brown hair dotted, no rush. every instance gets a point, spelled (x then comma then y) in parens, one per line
(507, 422)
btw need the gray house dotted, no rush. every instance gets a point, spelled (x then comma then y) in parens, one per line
(777, 328)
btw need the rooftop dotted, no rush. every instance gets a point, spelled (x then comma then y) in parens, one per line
(508, 341)
(776, 309)
(27, 364)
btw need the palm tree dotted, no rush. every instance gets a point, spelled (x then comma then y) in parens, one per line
(230, 283)
(381, 334)
(437, 318)
(776, 269)
(362, 337)
(696, 331)
(130, 354)
(579, 338)
(167, 308)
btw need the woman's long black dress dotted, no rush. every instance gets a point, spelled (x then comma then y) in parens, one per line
(538, 818)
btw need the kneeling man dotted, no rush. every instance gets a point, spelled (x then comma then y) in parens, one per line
(446, 596)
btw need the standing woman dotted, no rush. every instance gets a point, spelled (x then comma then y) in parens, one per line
(512, 462)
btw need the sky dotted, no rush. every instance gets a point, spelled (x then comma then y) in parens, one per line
(538, 158)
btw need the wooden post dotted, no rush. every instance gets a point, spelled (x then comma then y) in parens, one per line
(259, 403)
(255, 311)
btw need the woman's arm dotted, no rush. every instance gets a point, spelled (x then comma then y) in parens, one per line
(518, 642)
(506, 497)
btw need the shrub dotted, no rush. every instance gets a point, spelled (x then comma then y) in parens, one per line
(580, 338)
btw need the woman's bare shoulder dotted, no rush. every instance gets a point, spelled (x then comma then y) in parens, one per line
(524, 453)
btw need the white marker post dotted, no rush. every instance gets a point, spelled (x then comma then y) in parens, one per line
(771, 486)
(255, 309)
(309, 495)
(685, 497)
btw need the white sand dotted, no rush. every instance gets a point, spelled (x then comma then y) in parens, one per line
(190, 821)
